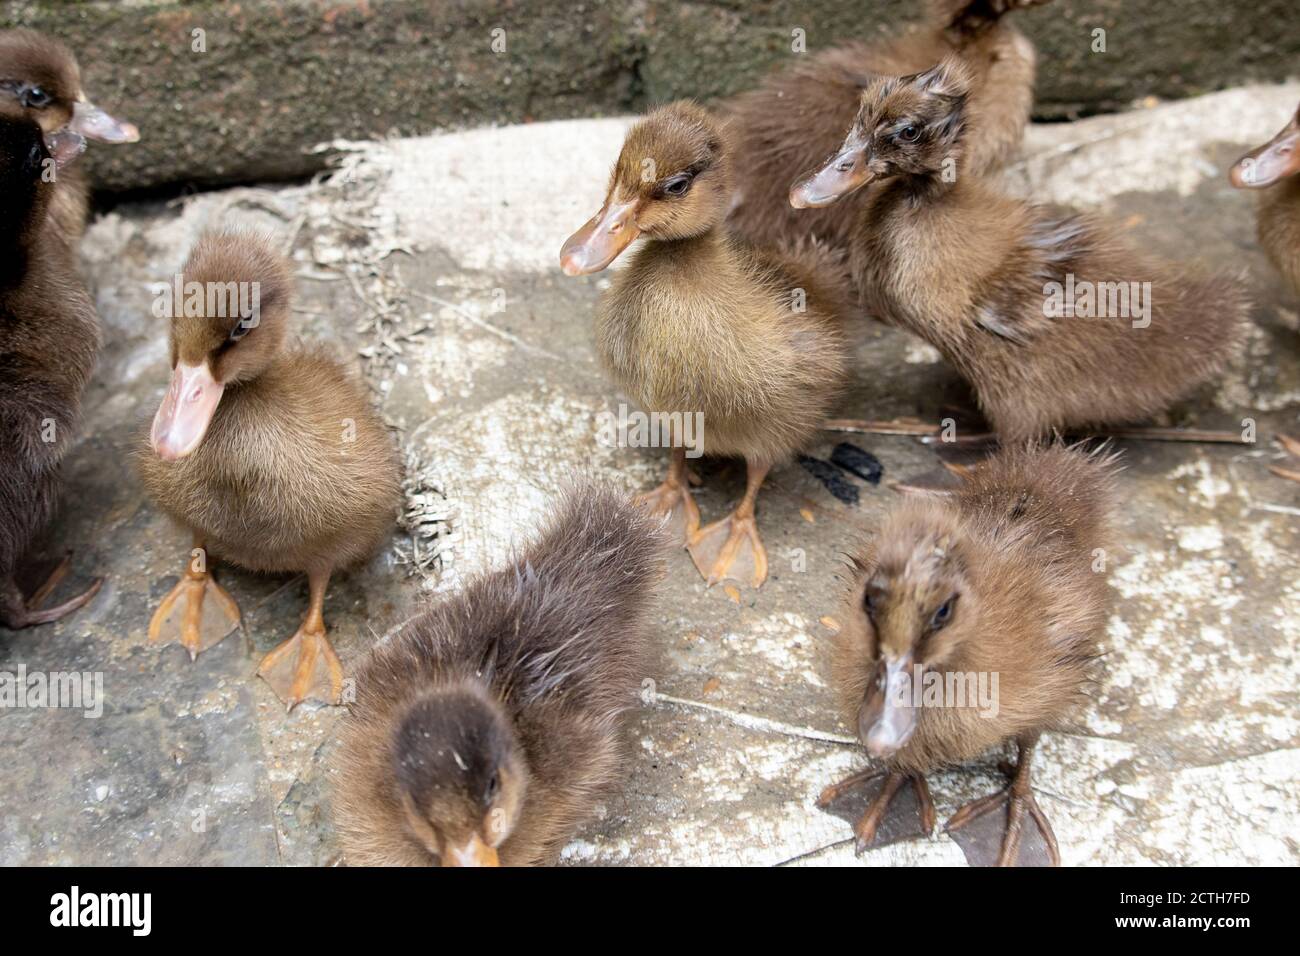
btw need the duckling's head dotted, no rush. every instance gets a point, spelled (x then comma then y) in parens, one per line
(41, 75)
(917, 605)
(29, 164)
(229, 312)
(672, 181)
(460, 774)
(1275, 160)
(906, 126)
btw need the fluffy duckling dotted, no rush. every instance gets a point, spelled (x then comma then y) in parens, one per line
(484, 731)
(271, 455)
(1273, 169)
(49, 339)
(41, 75)
(797, 117)
(1055, 321)
(1002, 578)
(701, 324)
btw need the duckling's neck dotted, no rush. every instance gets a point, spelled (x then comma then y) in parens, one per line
(693, 252)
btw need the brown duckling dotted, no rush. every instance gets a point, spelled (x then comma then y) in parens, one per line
(271, 455)
(49, 340)
(1002, 578)
(797, 116)
(1273, 168)
(484, 731)
(1055, 321)
(700, 324)
(42, 76)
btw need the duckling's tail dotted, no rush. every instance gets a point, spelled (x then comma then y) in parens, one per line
(972, 16)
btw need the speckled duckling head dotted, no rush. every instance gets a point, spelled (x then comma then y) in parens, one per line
(672, 181)
(41, 75)
(460, 775)
(917, 605)
(906, 125)
(229, 318)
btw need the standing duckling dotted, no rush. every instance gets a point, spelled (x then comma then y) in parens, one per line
(797, 117)
(1053, 319)
(485, 730)
(701, 324)
(49, 339)
(1273, 168)
(1000, 579)
(41, 75)
(270, 455)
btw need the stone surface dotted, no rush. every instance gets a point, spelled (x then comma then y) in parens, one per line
(277, 78)
(433, 262)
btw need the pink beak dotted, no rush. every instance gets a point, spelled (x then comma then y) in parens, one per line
(93, 123)
(185, 412)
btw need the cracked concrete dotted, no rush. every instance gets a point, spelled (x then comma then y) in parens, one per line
(433, 261)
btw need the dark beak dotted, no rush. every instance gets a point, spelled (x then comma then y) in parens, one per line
(887, 717)
(601, 240)
(843, 173)
(1276, 159)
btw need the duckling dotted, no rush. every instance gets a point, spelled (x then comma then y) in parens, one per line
(1273, 168)
(1008, 290)
(702, 324)
(41, 75)
(797, 117)
(49, 340)
(486, 728)
(271, 455)
(1002, 578)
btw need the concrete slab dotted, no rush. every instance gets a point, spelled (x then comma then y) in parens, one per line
(433, 262)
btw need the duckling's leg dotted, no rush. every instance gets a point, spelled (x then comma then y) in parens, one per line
(731, 548)
(196, 623)
(305, 665)
(1292, 447)
(17, 612)
(673, 497)
(1018, 797)
(887, 783)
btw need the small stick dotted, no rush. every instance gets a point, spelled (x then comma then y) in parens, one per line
(932, 432)
(897, 427)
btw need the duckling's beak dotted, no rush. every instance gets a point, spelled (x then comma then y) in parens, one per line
(1276, 159)
(93, 123)
(843, 173)
(473, 853)
(887, 717)
(185, 412)
(65, 146)
(601, 240)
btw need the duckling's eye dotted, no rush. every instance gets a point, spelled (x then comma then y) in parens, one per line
(35, 97)
(909, 134)
(493, 788)
(677, 186)
(943, 615)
